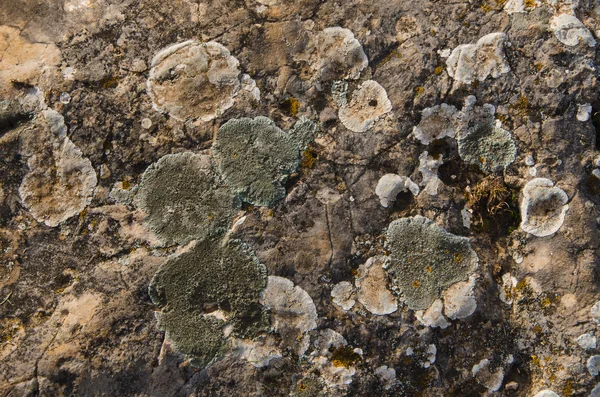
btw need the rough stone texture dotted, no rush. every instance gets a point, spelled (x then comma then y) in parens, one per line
(78, 254)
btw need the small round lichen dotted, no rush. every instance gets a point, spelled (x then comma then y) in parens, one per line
(543, 207)
(256, 157)
(369, 102)
(426, 259)
(206, 294)
(183, 200)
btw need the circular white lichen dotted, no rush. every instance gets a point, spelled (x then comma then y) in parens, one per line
(371, 282)
(342, 295)
(593, 365)
(459, 299)
(471, 62)
(293, 312)
(335, 54)
(546, 393)
(60, 181)
(543, 207)
(437, 122)
(587, 341)
(390, 185)
(369, 102)
(571, 31)
(193, 80)
(433, 316)
(386, 375)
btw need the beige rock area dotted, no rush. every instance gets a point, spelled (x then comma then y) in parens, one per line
(267, 198)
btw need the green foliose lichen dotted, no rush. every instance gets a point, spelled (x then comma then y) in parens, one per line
(183, 199)
(208, 292)
(425, 259)
(487, 146)
(255, 157)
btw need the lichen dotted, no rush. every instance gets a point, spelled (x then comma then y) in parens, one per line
(334, 54)
(488, 146)
(183, 199)
(207, 294)
(60, 181)
(425, 259)
(342, 295)
(571, 31)
(255, 158)
(390, 185)
(193, 80)
(543, 207)
(371, 283)
(436, 123)
(293, 312)
(369, 102)
(470, 63)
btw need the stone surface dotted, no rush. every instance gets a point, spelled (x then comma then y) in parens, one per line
(191, 198)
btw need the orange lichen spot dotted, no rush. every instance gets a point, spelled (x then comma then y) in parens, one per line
(486, 8)
(125, 184)
(539, 66)
(344, 356)
(416, 284)
(438, 70)
(309, 158)
(522, 106)
(291, 106)
(458, 258)
(419, 90)
(529, 3)
(429, 269)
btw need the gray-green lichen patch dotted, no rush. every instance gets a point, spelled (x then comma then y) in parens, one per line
(255, 157)
(183, 199)
(484, 143)
(425, 259)
(207, 294)
(303, 132)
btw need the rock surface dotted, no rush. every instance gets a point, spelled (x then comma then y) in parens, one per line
(299, 198)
